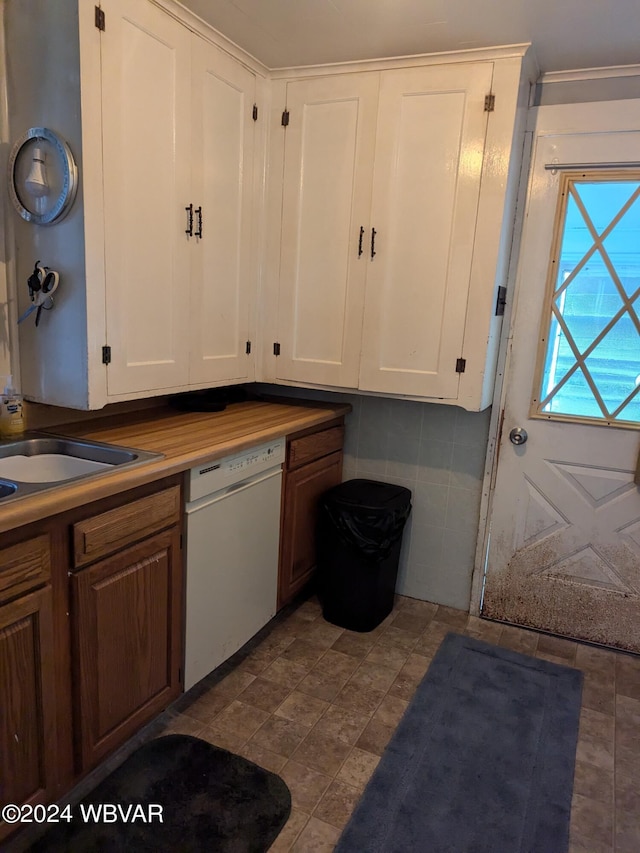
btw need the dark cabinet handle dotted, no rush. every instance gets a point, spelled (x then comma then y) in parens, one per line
(198, 212)
(373, 242)
(189, 229)
(360, 240)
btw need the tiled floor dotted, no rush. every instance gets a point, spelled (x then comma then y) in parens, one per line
(318, 704)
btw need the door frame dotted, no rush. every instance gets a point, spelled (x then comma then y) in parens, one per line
(557, 119)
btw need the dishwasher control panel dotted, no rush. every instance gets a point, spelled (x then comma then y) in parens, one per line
(219, 474)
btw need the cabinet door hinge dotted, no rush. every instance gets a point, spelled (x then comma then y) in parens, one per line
(461, 365)
(276, 349)
(501, 301)
(248, 348)
(106, 355)
(255, 112)
(285, 117)
(489, 103)
(100, 19)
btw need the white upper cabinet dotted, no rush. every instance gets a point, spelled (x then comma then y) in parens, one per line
(375, 263)
(223, 264)
(146, 115)
(329, 147)
(396, 189)
(157, 259)
(431, 133)
(178, 165)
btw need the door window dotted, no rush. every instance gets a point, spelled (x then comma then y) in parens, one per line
(589, 357)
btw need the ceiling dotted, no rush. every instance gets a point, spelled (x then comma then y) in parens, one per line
(566, 34)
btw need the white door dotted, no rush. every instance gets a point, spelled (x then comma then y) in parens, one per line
(324, 256)
(223, 256)
(146, 83)
(564, 548)
(429, 155)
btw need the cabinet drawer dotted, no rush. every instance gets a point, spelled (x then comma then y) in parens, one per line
(314, 446)
(24, 566)
(108, 532)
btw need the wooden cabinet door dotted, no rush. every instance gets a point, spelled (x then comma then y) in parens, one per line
(302, 490)
(327, 188)
(27, 718)
(429, 159)
(127, 617)
(146, 114)
(223, 262)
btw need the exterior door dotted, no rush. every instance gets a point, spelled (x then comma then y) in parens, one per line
(429, 157)
(146, 85)
(223, 259)
(324, 254)
(564, 542)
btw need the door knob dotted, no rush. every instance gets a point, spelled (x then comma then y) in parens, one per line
(518, 435)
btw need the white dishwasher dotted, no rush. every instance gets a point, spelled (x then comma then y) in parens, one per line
(233, 527)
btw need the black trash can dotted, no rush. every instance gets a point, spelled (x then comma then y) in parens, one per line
(359, 536)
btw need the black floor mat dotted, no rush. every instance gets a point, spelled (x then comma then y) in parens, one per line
(177, 793)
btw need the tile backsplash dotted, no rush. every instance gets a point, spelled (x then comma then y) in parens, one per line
(438, 452)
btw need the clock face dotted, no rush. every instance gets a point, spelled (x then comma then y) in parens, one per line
(43, 176)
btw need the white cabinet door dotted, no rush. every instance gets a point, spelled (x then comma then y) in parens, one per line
(327, 187)
(223, 266)
(428, 165)
(146, 84)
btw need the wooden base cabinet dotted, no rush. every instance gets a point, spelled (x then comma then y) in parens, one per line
(91, 622)
(126, 620)
(28, 701)
(313, 465)
(126, 631)
(27, 742)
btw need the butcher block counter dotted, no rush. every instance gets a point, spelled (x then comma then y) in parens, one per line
(185, 439)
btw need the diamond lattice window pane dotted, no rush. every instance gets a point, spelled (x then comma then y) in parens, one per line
(575, 397)
(603, 200)
(622, 246)
(631, 411)
(591, 358)
(615, 363)
(589, 302)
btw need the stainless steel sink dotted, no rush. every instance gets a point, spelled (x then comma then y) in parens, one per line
(40, 461)
(7, 489)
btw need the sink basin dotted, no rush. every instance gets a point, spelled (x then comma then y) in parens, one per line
(7, 489)
(39, 461)
(48, 467)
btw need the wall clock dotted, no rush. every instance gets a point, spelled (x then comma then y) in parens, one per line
(43, 176)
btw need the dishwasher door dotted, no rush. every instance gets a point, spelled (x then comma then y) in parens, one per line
(232, 570)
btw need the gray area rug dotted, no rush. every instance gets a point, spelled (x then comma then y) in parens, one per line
(482, 761)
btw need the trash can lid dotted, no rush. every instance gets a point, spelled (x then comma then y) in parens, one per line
(369, 494)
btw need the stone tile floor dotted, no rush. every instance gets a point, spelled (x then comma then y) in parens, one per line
(318, 704)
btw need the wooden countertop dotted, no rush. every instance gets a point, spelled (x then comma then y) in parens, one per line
(185, 439)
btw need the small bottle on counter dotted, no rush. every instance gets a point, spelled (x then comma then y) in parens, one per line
(11, 412)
